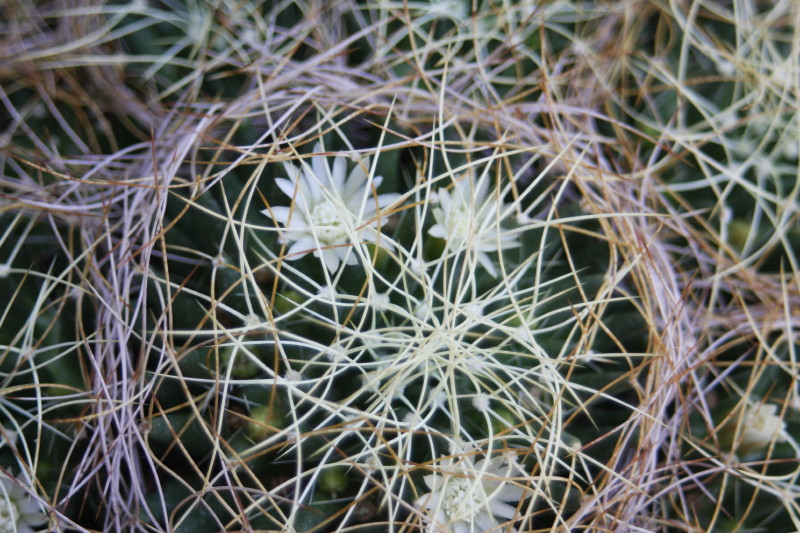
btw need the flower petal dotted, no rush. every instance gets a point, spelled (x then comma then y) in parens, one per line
(337, 174)
(331, 259)
(387, 199)
(508, 241)
(303, 246)
(485, 521)
(487, 264)
(437, 230)
(293, 172)
(278, 213)
(319, 168)
(503, 510)
(480, 191)
(370, 208)
(462, 527)
(30, 510)
(371, 235)
(428, 501)
(444, 199)
(432, 481)
(347, 255)
(355, 182)
(508, 493)
(312, 187)
(286, 186)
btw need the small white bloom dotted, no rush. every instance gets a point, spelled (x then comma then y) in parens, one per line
(467, 497)
(468, 220)
(18, 511)
(329, 211)
(760, 426)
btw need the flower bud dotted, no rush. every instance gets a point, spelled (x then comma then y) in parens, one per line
(333, 480)
(265, 421)
(759, 426)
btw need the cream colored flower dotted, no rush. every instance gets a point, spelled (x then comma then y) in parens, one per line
(760, 426)
(329, 211)
(469, 220)
(467, 497)
(18, 511)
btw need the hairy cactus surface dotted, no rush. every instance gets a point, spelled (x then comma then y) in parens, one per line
(460, 266)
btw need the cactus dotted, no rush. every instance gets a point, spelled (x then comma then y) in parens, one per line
(399, 266)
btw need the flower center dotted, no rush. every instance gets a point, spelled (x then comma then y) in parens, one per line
(463, 499)
(8, 515)
(328, 224)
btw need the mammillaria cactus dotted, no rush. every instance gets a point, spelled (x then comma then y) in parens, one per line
(459, 266)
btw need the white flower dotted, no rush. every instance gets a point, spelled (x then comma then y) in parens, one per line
(760, 426)
(18, 512)
(467, 219)
(329, 212)
(466, 497)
